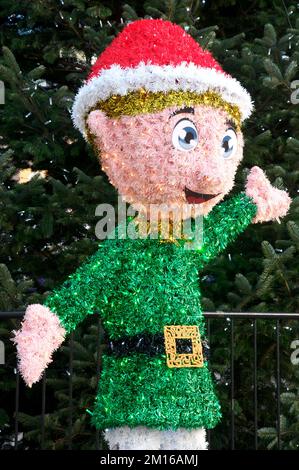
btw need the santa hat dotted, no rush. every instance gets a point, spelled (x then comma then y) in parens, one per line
(156, 56)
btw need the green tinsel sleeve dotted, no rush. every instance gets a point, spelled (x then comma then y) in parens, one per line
(224, 223)
(86, 291)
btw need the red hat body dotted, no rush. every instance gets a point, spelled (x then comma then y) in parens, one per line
(155, 42)
(158, 56)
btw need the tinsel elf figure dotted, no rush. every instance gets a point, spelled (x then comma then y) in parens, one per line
(165, 120)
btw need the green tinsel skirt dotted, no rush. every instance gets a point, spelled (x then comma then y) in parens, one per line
(141, 390)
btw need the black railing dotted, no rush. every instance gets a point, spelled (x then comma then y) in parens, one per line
(232, 317)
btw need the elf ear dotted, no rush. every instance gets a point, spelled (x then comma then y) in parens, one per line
(97, 122)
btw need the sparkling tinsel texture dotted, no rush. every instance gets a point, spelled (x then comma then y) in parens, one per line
(41, 334)
(139, 390)
(139, 286)
(157, 56)
(143, 101)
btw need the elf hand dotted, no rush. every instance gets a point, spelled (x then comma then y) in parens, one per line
(39, 336)
(271, 202)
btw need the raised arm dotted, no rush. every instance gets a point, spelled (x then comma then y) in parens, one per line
(261, 202)
(44, 326)
(224, 223)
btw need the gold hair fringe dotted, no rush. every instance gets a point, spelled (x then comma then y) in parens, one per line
(144, 102)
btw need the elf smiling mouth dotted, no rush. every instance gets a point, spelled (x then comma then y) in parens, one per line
(197, 198)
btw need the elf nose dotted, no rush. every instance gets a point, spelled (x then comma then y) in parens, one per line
(209, 170)
(207, 181)
(209, 178)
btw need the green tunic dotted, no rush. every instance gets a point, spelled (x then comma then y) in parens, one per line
(139, 286)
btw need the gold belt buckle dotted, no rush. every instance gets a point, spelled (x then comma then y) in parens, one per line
(175, 336)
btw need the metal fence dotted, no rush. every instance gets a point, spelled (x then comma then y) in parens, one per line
(277, 318)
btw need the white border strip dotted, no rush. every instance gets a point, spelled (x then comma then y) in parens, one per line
(155, 78)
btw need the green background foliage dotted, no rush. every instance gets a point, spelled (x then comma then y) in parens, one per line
(47, 224)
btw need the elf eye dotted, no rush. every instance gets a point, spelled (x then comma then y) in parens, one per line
(229, 144)
(185, 135)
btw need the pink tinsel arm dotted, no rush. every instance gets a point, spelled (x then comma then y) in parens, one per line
(40, 335)
(271, 202)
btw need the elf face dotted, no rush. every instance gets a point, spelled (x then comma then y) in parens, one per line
(178, 157)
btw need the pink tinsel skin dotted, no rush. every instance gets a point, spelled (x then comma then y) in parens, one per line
(271, 202)
(40, 335)
(141, 161)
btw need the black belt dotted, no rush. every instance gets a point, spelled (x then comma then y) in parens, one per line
(151, 345)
